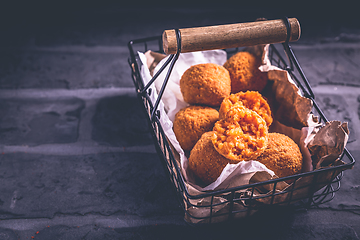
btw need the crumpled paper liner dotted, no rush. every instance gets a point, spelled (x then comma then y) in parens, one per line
(328, 143)
(232, 174)
(287, 104)
(320, 145)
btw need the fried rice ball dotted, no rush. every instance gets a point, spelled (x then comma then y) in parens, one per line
(282, 155)
(244, 72)
(204, 161)
(241, 135)
(205, 84)
(191, 122)
(250, 99)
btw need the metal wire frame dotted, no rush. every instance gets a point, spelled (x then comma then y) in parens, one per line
(240, 200)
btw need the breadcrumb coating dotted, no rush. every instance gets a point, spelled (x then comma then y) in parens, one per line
(241, 135)
(191, 122)
(282, 155)
(244, 72)
(204, 161)
(205, 84)
(250, 99)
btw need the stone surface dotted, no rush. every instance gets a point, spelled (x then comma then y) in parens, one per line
(335, 107)
(120, 121)
(333, 232)
(273, 224)
(77, 159)
(328, 63)
(341, 103)
(42, 186)
(40, 121)
(64, 67)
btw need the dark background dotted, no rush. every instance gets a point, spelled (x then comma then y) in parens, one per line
(316, 17)
(49, 46)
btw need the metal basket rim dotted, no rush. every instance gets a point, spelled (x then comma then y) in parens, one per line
(181, 181)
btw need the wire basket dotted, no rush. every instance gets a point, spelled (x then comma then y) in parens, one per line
(307, 190)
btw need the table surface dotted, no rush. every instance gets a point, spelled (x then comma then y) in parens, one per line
(77, 157)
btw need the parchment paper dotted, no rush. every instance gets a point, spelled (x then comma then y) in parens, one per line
(321, 145)
(239, 173)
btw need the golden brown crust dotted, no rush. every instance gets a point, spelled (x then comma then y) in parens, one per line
(191, 122)
(205, 84)
(244, 72)
(204, 161)
(282, 155)
(250, 99)
(241, 135)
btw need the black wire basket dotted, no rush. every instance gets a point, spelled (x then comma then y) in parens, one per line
(241, 201)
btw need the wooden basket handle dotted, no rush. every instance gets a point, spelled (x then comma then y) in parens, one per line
(230, 35)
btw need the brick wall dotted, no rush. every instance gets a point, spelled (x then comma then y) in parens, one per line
(76, 154)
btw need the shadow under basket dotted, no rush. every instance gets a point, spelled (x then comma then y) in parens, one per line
(303, 191)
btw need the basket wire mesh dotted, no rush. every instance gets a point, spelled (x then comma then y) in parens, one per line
(241, 201)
